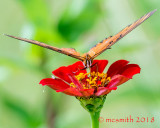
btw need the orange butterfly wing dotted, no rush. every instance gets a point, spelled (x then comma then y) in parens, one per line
(107, 43)
(96, 50)
(67, 51)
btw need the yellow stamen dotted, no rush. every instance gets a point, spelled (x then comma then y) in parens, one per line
(81, 76)
(103, 80)
(93, 74)
(108, 78)
(73, 85)
(94, 79)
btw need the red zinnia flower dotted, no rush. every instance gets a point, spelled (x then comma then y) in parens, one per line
(75, 81)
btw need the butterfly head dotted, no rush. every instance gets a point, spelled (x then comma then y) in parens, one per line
(87, 61)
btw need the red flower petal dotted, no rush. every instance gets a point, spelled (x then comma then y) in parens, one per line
(130, 70)
(71, 91)
(76, 92)
(99, 65)
(87, 92)
(56, 84)
(117, 80)
(120, 72)
(104, 90)
(116, 67)
(62, 73)
(75, 81)
(77, 68)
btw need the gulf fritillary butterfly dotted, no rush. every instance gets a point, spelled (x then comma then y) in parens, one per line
(87, 58)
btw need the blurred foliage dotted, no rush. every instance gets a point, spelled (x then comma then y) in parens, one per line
(77, 20)
(69, 23)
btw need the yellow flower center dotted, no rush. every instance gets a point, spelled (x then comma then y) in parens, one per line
(92, 80)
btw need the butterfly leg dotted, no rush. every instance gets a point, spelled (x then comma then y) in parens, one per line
(80, 69)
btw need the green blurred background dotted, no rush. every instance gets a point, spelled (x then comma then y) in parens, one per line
(78, 24)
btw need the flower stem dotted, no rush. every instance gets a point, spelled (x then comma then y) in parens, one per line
(95, 119)
(93, 105)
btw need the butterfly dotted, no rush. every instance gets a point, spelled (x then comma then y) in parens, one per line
(87, 58)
